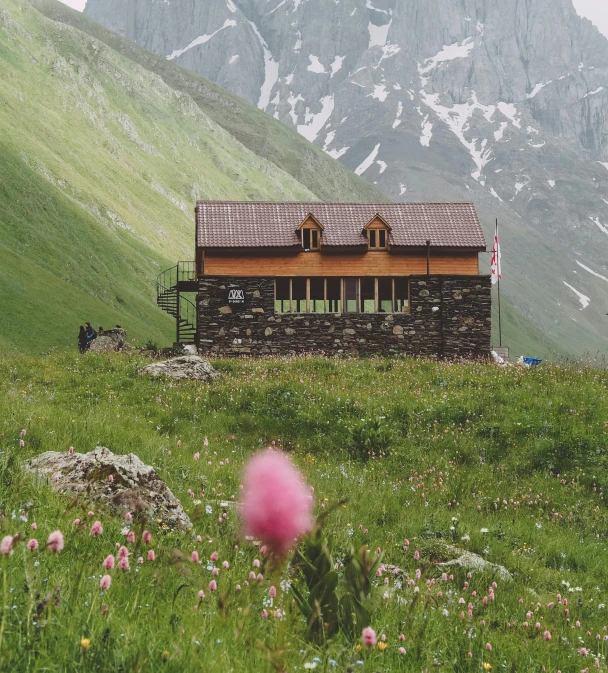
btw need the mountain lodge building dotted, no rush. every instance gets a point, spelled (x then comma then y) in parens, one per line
(350, 278)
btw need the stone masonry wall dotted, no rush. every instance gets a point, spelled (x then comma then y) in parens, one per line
(449, 316)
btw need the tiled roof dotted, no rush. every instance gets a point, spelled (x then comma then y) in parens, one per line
(246, 224)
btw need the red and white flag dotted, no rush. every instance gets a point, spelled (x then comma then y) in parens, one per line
(495, 262)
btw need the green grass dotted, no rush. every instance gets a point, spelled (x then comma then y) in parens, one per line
(510, 464)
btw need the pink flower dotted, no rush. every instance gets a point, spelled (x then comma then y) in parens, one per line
(76, 522)
(21, 443)
(179, 443)
(488, 647)
(140, 560)
(6, 546)
(32, 545)
(416, 555)
(215, 556)
(34, 526)
(583, 651)
(401, 636)
(108, 562)
(264, 613)
(151, 556)
(197, 455)
(194, 557)
(251, 575)
(272, 592)
(23, 432)
(368, 636)
(276, 504)
(256, 563)
(213, 585)
(205, 442)
(55, 542)
(237, 587)
(123, 552)
(128, 516)
(201, 594)
(147, 537)
(225, 565)
(215, 571)
(123, 564)
(104, 583)
(260, 577)
(546, 635)
(130, 537)
(71, 450)
(402, 650)
(96, 529)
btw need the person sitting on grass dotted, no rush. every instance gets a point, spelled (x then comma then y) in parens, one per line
(83, 340)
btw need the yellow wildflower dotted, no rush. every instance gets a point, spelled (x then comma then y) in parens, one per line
(486, 666)
(382, 646)
(85, 643)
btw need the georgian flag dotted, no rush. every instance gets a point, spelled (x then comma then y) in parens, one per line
(495, 263)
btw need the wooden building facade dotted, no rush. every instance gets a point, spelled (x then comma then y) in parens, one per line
(340, 278)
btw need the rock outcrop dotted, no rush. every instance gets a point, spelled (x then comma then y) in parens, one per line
(123, 483)
(183, 367)
(108, 341)
(471, 561)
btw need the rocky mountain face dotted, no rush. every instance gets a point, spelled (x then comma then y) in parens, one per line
(500, 102)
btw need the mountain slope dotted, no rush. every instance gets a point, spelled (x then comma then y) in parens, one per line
(502, 103)
(101, 164)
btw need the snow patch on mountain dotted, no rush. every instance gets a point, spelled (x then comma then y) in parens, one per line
(201, 39)
(537, 89)
(378, 35)
(510, 112)
(336, 66)
(271, 71)
(591, 271)
(366, 163)
(449, 53)
(314, 123)
(585, 301)
(596, 220)
(427, 132)
(315, 65)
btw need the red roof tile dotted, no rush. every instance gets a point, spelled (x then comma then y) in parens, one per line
(246, 224)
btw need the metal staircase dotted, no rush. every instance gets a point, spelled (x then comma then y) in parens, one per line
(170, 286)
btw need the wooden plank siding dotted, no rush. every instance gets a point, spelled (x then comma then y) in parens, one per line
(262, 263)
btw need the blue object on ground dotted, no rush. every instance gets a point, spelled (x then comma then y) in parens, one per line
(533, 362)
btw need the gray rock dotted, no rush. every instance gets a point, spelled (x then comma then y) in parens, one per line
(183, 367)
(471, 561)
(108, 341)
(134, 487)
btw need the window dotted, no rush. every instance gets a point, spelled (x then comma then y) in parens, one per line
(342, 295)
(377, 239)
(402, 295)
(310, 239)
(367, 293)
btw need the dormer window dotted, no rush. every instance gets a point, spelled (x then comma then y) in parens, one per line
(377, 231)
(310, 233)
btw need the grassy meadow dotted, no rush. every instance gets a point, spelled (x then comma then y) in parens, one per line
(509, 464)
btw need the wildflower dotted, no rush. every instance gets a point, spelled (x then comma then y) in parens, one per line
(71, 450)
(111, 478)
(213, 585)
(85, 643)
(260, 577)
(55, 542)
(272, 592)
(256, 563)
(401, 636)
(237, 587)
(197, 455)
(583, 651)
(225, 565)
(146, 536)
(128, 516)
(151, 556)
(108, 562)
(32, 545)
(215, 571)
(276, 505)
(165, 655)
(416, 555)
(123, 552)
(140, 560)
(194, 557)
(546, 635)
(488, 647)
(130, 537)
(6, 546)
(251, 575)
(486, 666)
(402, 650)
(123, 564)
(382, 646)
(264, 613)
(368, 636)
(23, 432)
(104, 583)
(96, 529)
(34, 526)
(21, 443)
(214, 556)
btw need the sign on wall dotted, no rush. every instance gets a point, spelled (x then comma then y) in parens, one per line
(236, 296)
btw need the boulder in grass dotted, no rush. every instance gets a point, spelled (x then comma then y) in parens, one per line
(124, 483)
(109, 341)
(471, 561)
(182, 367)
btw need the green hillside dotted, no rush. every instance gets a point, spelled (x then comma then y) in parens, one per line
(101, 164)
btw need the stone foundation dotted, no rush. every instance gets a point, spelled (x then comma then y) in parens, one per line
(450, 316)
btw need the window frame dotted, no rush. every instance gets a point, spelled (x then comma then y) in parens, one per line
(308, 302)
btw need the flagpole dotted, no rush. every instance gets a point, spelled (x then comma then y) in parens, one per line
(499, 314)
